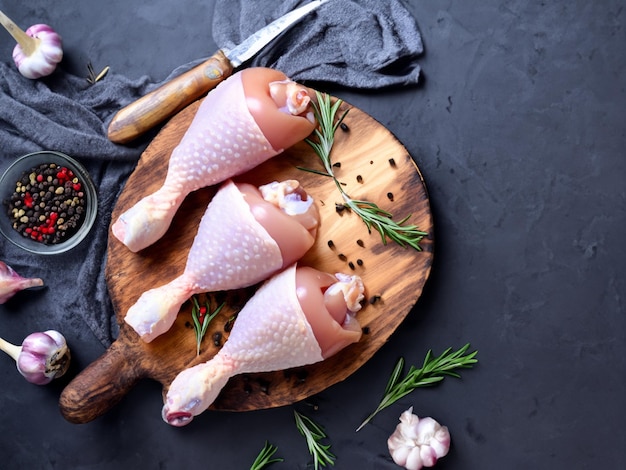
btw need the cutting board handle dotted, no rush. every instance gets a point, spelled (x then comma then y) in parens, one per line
(101, 385)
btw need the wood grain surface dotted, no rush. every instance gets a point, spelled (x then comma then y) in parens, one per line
(371, 163)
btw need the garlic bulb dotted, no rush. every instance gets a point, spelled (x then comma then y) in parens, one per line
(418, 443)
(47, 53)
(38, 50)
(11, 282)
(42, 356)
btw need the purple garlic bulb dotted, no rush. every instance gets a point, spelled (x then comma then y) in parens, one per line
(42, 356)
(38, 50)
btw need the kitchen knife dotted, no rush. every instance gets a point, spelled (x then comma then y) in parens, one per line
(153, 108)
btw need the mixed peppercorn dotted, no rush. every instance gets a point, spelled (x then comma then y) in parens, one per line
(48, 204)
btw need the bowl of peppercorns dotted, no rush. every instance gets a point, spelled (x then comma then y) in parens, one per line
(49, 203)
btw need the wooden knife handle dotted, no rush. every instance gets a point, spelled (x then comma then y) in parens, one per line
(101, 385)
(152, 109)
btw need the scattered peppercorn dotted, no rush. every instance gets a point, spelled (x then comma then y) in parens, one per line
(313, 406)
(247, 386)
(344, 127)
(359, 262)
(337, 164)
(48, 204)
(351, 264)
(392, 162)
(339, 208)
(374, 299)
(302, 374)
(331, 244)
(265, 386)
(359, 179)
(366, 330)
(360, 242)
(342, 257)
(390, 196)
(217, 338)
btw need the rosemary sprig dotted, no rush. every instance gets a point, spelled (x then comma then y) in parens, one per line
(434, 370)
(201, 320)
(372, 215)
(265, 457)
(313, 434)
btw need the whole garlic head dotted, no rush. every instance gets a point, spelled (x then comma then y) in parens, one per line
(47, 53)
(418, 443)
(43, 357)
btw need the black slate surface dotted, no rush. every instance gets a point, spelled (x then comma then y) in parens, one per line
(518, 128)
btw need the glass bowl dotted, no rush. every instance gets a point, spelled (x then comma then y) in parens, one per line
(8, 182)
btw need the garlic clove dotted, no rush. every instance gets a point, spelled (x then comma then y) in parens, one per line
(11, 282)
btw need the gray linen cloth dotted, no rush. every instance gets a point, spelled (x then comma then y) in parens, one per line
(364, 44)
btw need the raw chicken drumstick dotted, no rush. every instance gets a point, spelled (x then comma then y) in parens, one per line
(300, 316)
(250, 117)
(245, 235)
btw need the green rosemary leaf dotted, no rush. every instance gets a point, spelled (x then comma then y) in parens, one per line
(201, 322)
(265, 457)
(194, 315)
(372, 215)
(313, 433)
(395, 375)
(381, 220)
(313, 170)
(317, 147)
(210, 317)
(433, 371)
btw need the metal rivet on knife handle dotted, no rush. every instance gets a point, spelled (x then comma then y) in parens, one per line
(162, 103)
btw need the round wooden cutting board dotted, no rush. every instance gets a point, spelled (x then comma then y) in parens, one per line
(371, 164)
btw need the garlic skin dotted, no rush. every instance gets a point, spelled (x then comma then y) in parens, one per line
(47, 53)
(418, 443)
(11, 282)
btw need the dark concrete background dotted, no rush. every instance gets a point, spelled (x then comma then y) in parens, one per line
(518, 127)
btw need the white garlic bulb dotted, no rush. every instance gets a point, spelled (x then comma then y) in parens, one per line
(418, 443)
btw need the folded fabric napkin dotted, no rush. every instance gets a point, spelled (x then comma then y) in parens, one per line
(365, 44)
(354, 43)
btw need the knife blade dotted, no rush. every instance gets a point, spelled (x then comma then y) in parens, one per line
(153, 108)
